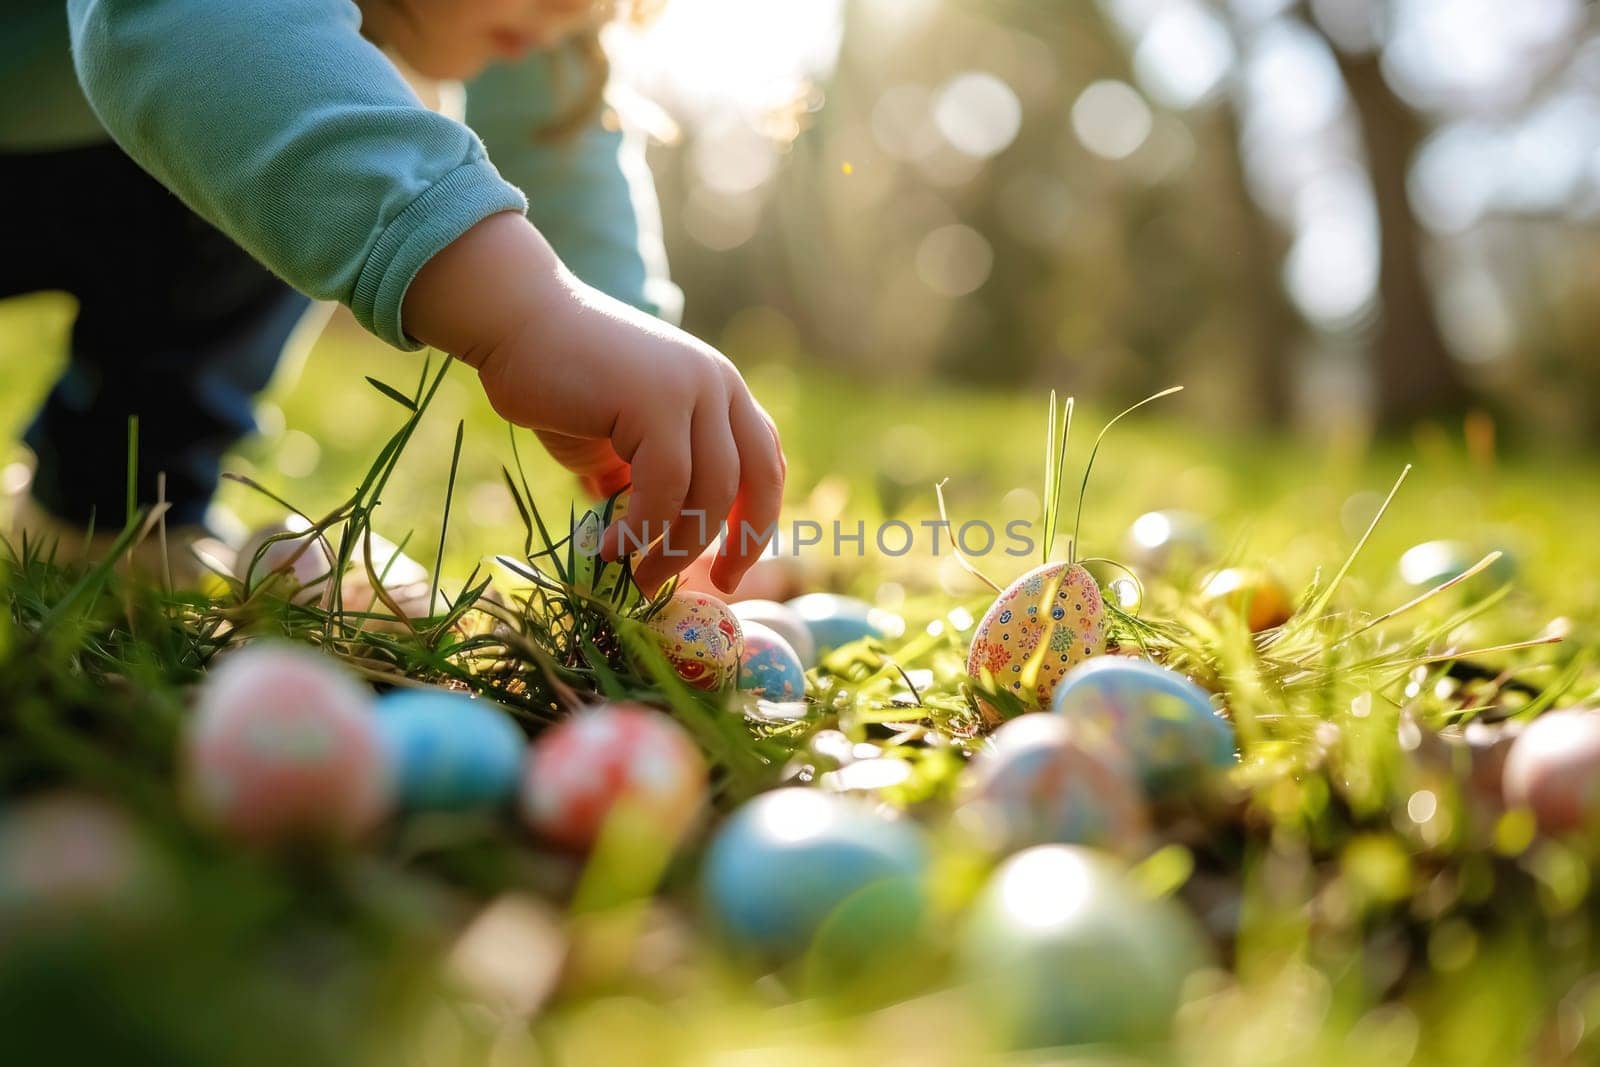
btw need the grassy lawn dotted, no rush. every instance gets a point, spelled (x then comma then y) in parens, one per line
(1351, 922)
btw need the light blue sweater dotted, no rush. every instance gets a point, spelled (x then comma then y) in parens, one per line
(281, 125)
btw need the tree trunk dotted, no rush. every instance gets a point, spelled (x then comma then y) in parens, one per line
(1413, 373)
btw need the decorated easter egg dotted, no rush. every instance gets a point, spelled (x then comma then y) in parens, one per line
(1162, 540)
(63, 854)
(701, 639)
(1553, 770)
(448, 751)
(1436, 562)
(784, 620)
(836, 621)
(1255, 594)
(608, 759)
(769, 667)
(1035, 784)
(795, 867)
(1063, 949)
(1044, 624)
(297, 558)
(1160, 719)
(281, 743)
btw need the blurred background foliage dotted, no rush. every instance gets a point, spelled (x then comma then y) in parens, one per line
(1338, 215)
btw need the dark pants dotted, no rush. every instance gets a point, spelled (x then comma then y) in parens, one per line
(176, 324)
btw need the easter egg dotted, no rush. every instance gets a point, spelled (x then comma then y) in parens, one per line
(795, 866)
(1436, 562)
(1163, 540)
(1553, 770)
(769, 667)
(448, 751)
(1035, 784)
(610, 758)
(701, 639)
(1160, 719)
(836, 621)
(1062, 949)
(283, 743)
(405, 583)
(769, 577)
(784, 620)
(296, 558)
(1255, 594)
(1039, 628)
(64, 854)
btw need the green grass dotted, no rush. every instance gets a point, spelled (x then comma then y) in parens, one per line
(1350, 932)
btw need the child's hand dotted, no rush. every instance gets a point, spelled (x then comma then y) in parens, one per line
(607, 386)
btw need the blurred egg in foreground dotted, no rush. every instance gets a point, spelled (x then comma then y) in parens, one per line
(1553, 770)
(283, 742)
(794, 861)
(1062, 949)
(1034, 784)
(448, 751)
(608, 759)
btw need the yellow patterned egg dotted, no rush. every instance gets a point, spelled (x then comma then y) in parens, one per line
(1043, 624)
(701, 638)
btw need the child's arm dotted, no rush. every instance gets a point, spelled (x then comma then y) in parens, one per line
(281, 125)
(589, 193)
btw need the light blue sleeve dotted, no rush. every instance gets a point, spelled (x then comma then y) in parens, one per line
(591, 195)
(282, 126)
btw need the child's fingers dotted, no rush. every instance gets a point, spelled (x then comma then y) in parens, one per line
(712, 486)
(661, 468)
(762, 470)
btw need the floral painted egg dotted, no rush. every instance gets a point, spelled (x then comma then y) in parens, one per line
(769, 667)
(1035, 785)
(1044, 624)
(448, 751)
(1255, 594)
(1062, 948)
(1553, 770)
(836, 621)
(283, 743)
(701, 638)
(784, 620)
(795, 866)
(609, 759)
(1162, 721)
(1159, 541)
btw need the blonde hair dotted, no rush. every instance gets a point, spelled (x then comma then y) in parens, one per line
(589, 103)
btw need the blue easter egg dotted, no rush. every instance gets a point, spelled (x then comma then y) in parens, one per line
(836, 621)
(1164, 723)
(447, 751)
(1062, 948)
(798, 867)
(769, 667)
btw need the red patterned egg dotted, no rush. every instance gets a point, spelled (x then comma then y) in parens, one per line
(284, 743)
(1039, 628)
(701, 638)
(606, 758)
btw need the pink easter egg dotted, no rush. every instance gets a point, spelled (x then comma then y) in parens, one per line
(283, 743)
(583, 768)
(701, 639)
(1553, 770)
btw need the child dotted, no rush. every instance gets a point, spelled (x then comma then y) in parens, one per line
(304, 164)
